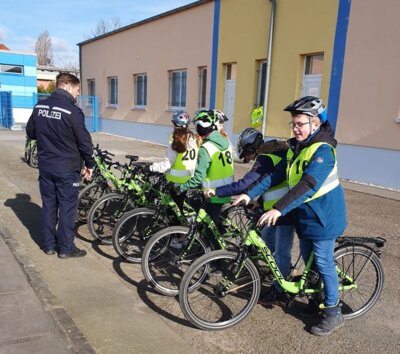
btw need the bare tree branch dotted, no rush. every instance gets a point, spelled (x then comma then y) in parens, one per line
(104, 26)
(44, 49)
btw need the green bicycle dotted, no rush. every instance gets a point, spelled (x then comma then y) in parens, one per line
(31, 153)
(169, 253)
(222, 287)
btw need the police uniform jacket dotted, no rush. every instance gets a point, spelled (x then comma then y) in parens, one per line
(63, 141)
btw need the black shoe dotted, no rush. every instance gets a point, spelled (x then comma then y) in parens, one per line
(77, 253)
(331, 320)
(49, 252)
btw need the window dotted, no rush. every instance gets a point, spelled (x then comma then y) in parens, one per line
(177, 89)
(91, 90)
(262, 76)
(113, 91)
(314, 64)
(202, 87)
(91, 87)
(140, 90)
(11, 69)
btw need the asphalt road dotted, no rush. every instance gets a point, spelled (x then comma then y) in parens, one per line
(117, 312)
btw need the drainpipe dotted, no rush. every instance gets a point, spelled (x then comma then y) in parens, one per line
(269, 56)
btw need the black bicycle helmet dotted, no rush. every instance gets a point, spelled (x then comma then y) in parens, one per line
(205, 122)
(309, 105)
(249, 141)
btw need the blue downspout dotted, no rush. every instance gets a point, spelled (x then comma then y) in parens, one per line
(338, 60)
(214, 58)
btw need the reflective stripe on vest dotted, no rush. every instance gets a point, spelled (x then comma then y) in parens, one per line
(295, 169)
(272, 195)
(183, 168)
(220, 172)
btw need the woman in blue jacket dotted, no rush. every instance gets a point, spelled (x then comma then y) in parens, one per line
(316, 199)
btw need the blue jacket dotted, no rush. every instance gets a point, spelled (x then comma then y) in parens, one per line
(262, 166)
(320, 218)
(58, 125)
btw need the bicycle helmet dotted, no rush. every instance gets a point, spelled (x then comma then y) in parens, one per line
(249, 141)
(205, 122)
(220, 116)
(181, 119)
(309, 105)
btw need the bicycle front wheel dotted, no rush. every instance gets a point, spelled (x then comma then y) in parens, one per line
(87, 197)
(361, 268)
(133, 230)
(105, 213)
(225, 297)
(33, 160)
(167, 256)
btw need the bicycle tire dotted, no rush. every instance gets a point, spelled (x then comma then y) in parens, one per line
(33, 160)
(105, 213)
(363, 266)
(133, 230)
(163, 264)
(87, 197)
(213, 306)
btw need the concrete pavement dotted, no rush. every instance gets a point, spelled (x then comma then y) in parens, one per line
(98, 303)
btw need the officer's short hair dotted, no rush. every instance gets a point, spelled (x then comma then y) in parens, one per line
(65, 79)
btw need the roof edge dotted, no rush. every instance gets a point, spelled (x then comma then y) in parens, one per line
(153, 18)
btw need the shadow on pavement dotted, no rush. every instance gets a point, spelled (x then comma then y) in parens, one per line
(28, 213)
(144, 289)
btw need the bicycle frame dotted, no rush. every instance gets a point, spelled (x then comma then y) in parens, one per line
(292, 287)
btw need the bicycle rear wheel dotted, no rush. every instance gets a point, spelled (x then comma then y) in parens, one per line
(168, 255)
(225, 297)
(105, 213)
(133, 230)
(360, 266)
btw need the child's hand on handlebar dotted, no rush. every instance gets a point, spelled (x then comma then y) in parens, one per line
(243, 198)
(208, 193)
(269, 218)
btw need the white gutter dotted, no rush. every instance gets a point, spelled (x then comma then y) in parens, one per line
(269, 56)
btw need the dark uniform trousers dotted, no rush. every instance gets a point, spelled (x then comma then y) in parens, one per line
(59, 194)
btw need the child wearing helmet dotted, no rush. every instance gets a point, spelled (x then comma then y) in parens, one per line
(214, 163)
(315, 200)
(181, 156)
(279, 238)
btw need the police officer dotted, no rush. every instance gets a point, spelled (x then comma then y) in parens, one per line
(63, 141)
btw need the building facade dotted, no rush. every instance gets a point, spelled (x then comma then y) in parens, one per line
(18, 76)
(236, 55)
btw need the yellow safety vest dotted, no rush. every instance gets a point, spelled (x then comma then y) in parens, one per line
(272, 195)
(220, 172)
(296, 168)
(183, 168)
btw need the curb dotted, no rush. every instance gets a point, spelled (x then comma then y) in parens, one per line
(64, 324)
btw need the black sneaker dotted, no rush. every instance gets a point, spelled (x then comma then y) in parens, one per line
(331, 320)
(77, 253)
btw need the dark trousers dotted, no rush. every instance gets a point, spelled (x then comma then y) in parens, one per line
(214, 211)
(59, 203)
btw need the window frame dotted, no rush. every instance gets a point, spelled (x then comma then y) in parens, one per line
(11, 72)
(143, 104)
(110, 87)
(261, 80)
(202, 87)
(181, 102)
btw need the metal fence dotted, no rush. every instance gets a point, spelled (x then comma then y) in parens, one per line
(6, 112)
